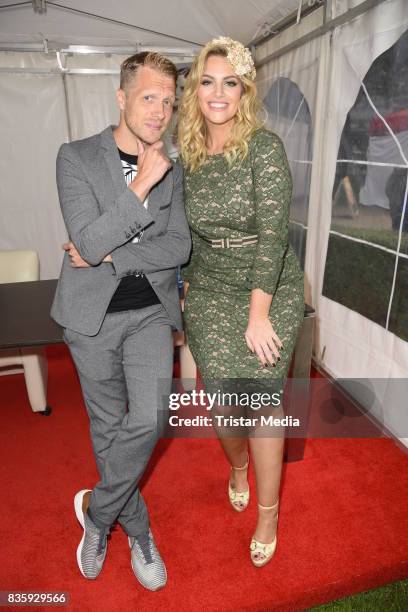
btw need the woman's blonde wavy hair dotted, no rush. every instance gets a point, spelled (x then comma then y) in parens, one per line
(192, 130)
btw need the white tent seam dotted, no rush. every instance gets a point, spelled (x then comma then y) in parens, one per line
(298, 223)
(377, 112)
(295, 117)
(371, 163)
(398, 253)
(372, 244)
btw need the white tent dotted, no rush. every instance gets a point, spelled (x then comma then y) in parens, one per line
(59, 68)
(325, 76)
(178, 23)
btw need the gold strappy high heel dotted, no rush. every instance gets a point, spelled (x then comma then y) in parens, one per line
(259, 548)
(239, 500)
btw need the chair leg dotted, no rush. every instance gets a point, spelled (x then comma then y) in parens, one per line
(36, 377)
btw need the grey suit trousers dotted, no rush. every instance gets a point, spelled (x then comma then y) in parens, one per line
(125, 373)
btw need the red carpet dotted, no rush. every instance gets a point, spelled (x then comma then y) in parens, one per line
(343, 521)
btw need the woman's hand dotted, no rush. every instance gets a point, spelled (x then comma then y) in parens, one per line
(262, 340)
(182, 300)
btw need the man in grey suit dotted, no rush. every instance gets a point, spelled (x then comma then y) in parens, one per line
(117, 299)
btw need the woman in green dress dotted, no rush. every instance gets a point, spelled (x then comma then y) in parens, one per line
(244, 285)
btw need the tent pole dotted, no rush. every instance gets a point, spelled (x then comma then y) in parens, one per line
(328, 11)
(120, 23)
(64, 82)
(283, 24)
(327, 27)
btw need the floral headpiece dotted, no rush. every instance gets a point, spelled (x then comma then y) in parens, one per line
(238, 56)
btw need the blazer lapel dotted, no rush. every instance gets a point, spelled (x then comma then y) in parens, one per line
(112, 159)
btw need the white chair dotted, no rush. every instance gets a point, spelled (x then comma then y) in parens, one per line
(17, 267)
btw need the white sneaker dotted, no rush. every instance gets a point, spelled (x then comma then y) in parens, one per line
(147, 564)
(91, 551)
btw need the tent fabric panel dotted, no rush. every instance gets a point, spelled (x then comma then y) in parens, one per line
(32, 127)
(92, 104)
(347, 344)
(196, 21)
(359, 38)
(344, 336)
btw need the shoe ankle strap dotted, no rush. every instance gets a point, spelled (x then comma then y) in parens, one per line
(244, 467)
(275, 505)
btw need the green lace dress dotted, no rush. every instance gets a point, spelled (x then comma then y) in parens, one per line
(251, 197)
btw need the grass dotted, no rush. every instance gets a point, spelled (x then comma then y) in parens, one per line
(386, 238)
(389, 598)
(360, 277)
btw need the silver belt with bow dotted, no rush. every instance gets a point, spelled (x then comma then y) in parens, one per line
(231, 243)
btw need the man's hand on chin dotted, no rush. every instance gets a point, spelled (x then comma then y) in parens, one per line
(152, 165)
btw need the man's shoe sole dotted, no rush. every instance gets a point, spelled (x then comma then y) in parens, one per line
(78, 499)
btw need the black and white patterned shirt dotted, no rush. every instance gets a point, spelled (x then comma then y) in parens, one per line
(133, 291)
(129, 167)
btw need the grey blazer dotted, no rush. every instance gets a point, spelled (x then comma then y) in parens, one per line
(102, 215)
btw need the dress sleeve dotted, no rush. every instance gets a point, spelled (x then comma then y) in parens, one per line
(272, 182)
(187, 271)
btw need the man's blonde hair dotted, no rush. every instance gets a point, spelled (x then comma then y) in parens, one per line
(131, 65)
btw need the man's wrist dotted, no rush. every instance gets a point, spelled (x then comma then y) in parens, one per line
(140, 188)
